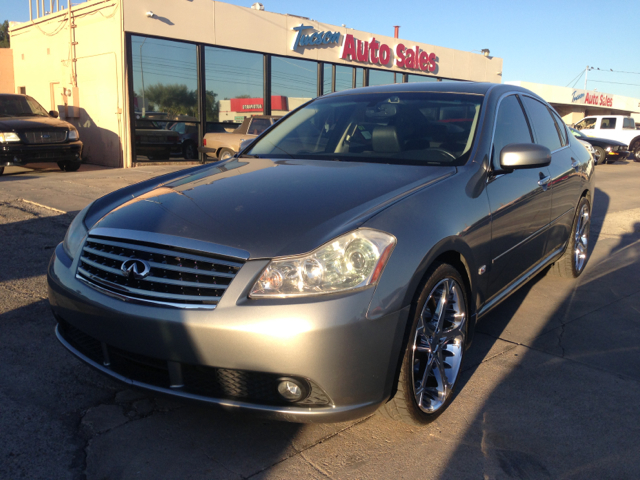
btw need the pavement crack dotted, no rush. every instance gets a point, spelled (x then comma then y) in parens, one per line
(560, 337)
(322, 440)
(316, 467)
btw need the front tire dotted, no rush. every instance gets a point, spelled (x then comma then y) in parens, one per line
(69, 166)
(601, 155)
(635, 151)
(574, 259)
(433, 357)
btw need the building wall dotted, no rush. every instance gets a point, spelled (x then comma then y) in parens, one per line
(221, 24)
(78, 72)
(7, 84)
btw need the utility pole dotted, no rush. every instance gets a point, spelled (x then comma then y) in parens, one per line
(142, 73)
(586, 72)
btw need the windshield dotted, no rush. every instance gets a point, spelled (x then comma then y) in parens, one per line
(406, 128)
(577, 133)
(19, 106)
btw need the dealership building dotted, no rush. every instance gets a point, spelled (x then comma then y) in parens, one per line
(137, 75)
(129, 73)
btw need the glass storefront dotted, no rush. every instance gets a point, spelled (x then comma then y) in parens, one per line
(165, 84)
(235, 83)
(293, 82)
(165, 99)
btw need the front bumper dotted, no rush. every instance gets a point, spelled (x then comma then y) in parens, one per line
(21, 154)
(619, 155)
(348, 360)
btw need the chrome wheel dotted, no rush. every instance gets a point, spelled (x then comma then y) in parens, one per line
(581, 238)
(438, 345)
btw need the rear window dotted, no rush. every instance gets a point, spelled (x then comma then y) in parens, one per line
(404, 128)
(629, 123)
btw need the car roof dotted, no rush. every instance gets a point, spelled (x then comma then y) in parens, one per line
(444, 87)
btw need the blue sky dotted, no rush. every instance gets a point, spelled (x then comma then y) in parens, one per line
(547, 41)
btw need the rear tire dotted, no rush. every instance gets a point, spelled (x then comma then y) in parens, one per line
(225, 153)
(574, 260)
(433, 356)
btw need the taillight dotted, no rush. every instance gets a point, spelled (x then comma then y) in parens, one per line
(205, 142)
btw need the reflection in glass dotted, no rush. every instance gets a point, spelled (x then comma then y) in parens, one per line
(412, 78)
(383, 77)
(293, 82)
(165, 86)
(235, 80)
(344, 78)
(328, 75)
(359, 77)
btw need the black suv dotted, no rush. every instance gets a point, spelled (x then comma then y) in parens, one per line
(29, 134)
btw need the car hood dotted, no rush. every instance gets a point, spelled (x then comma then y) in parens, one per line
(271, 208)
(31, 123)
(604, 141)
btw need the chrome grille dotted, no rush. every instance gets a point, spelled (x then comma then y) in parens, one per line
(176, 277)
(46, 137)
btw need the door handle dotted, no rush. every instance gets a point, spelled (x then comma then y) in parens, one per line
(575, 164)
(544, 181)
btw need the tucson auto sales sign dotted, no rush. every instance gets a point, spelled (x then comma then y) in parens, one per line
(372, 51)
(591, 98)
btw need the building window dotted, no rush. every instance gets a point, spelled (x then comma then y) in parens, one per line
(235, 83)
(293, 82)
(412, 78)
(165, 99)
(344, 78)
(327, 79)
(383, 77)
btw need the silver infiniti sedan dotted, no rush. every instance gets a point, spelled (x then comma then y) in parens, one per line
(338, 265)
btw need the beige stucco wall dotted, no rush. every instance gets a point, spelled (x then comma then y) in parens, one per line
(219, 23)
(44, 59)
(7, 85)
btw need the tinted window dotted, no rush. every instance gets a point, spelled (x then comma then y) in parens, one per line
(628, 123)
(562, 128)
(403, 128)
(258, 125)
(511, 126)
(586, 124)
(293, 80)
(543, 124)
(608, 123)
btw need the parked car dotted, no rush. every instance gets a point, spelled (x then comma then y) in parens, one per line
(612, 127)
(188, 139)
(153, 139)
(28, 133)
(605, 151)
(339, 264)
(225, 145)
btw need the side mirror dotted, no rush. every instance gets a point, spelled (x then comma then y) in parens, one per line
(53, 113)
(524, 155)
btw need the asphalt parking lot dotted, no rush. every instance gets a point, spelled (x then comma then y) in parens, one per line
(550, 387)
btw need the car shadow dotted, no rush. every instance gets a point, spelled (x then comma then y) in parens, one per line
(551, 388)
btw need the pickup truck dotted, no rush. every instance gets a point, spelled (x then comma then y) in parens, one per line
(226, 145)
(613, 127)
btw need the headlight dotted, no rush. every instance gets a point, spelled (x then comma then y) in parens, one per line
(351, 261)
(6, 137)
(608, 149)
(76, 233)
(73, 135)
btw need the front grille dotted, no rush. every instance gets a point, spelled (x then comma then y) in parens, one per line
(46, 137)
(176, 276)
(209, 382)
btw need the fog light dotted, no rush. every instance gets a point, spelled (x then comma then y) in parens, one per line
(291, 390)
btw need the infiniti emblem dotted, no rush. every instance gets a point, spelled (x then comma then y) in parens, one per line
(135, 268)
(44, 135)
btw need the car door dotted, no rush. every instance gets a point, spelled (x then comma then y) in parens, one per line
(520, 202)
(566, 181)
